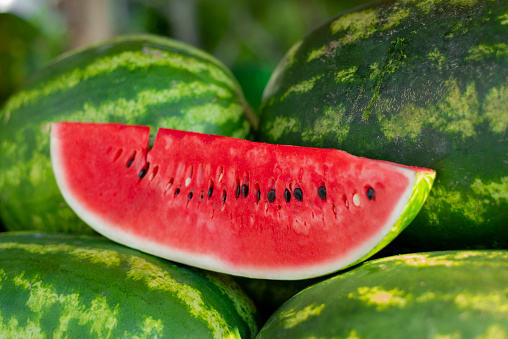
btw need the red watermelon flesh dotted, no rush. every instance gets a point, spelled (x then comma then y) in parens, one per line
(230, 205)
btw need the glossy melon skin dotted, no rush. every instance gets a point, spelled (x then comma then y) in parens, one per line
(56, 285)
(421, 83)
(146, 80)
(449, 294)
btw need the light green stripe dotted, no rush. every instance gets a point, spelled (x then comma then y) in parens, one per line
(459, 114)
(243, 305)
(355, 26)
(497, 191)
(282, 125)
(294, 317)
(331, 123)
(381, 298)
(395, 18)
(473, 203)
(197, 118)
(493, 332)
(488, 303)
(10, 328)
(428, 5)
(437, 58)
(301, 87)
(99, 316)
(503, 18)
(495, 107)
(482, 51)
(108, 258)
(316, 54)
(480, 258)
(346, 75)
(131, 60)
(158, 279)
(131, 109)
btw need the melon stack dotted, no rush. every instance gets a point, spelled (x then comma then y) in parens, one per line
(419, 84)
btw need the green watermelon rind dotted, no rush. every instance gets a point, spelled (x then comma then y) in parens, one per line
(421, 189)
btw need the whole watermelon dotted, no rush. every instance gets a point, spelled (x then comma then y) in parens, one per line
(449, 294)
(68, 286)
(419, 82)
(145, 80)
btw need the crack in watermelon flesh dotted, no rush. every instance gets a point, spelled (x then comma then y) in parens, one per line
(203, 200)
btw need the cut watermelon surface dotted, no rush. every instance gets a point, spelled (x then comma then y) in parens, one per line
(234, 206)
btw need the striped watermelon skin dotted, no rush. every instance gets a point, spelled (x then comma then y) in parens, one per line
(145, 80)
(422, 83)
(449, 294)
(56, 285)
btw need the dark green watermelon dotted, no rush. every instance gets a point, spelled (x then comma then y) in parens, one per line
(144, 79)
(449, 294)
(67, 286)
(421, 83)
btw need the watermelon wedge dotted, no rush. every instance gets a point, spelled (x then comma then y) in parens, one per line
(234, 206)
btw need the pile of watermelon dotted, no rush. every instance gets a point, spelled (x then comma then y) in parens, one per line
(141, 196)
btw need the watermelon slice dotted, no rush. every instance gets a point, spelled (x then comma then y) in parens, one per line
(234, 206)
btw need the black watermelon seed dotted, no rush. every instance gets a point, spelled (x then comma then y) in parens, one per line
(224, 196)
(190, 196)
(245, 190)
(271, 195)
(210, 191)
(370, 193)
(298, 194)
(177, 191)
(322, 192)
(258, 196)
(142, 173)
(287, 195)
(130, 163)
(201, 197)
(237, 191)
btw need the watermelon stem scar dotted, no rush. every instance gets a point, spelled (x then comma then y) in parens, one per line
(345, 208)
